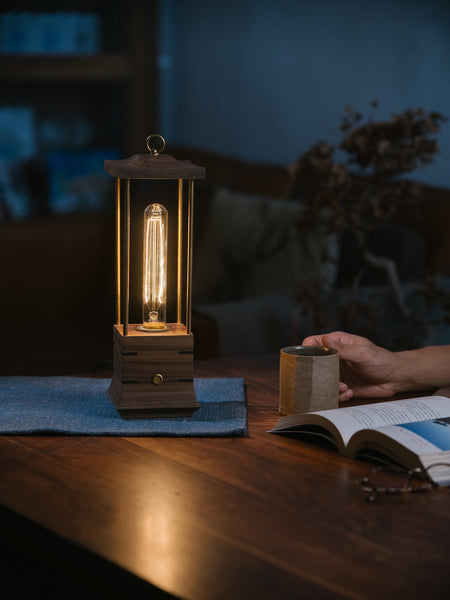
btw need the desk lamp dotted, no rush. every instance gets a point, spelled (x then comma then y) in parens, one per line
(153, 360)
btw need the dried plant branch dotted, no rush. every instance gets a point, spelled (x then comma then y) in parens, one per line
(368, 187)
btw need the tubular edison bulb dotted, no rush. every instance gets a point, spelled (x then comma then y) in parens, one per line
(155, 267)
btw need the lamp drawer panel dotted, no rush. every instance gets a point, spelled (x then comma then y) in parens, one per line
(145, 365)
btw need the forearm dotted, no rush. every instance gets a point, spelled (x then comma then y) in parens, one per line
(423, 369)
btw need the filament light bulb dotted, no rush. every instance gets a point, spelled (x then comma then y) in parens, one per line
(155, 268)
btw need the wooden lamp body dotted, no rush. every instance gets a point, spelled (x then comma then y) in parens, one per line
(153, 371)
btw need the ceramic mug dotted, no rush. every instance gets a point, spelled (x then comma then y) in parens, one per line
(309, 379)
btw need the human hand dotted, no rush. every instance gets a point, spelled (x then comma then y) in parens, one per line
(366, 370)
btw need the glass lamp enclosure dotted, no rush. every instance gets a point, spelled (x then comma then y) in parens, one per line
(154, 360)
(154, 273)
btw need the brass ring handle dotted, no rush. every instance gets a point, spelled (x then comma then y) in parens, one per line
(155, 149)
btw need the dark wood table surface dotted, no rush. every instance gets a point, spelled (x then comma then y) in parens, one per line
(254, 517)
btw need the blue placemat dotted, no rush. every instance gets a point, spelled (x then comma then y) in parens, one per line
(80, 406)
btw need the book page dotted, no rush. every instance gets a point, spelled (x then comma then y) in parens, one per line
(421, 437)
(371, 416)
(428, 440)
(438, 466)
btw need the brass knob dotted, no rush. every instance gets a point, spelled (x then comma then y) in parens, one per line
(157, 379)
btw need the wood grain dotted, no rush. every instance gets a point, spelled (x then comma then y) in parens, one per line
(147, 166)
(203, 518)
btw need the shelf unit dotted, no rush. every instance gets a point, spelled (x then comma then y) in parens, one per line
(127, 63)
(104, 67)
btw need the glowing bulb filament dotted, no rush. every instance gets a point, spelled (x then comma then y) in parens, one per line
(155, 267)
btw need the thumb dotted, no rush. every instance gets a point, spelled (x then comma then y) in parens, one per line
(346, 351)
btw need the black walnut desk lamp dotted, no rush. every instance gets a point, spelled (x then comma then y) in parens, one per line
(153, 360)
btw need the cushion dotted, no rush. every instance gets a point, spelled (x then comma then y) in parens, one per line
(251, 247)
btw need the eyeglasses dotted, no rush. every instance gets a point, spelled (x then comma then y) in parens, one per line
(392, 480)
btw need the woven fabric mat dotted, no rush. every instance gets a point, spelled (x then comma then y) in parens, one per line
(80, 406)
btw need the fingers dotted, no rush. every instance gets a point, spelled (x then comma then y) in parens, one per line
(313, 340)
(332, 339)
(351, 347)
(345, 393)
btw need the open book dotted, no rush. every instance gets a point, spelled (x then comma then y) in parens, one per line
(412, 433)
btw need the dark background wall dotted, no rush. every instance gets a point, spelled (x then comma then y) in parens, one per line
(263, 80)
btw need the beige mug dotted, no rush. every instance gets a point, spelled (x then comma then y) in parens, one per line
(309, 379)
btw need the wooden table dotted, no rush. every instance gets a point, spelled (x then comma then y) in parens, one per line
(207, 518)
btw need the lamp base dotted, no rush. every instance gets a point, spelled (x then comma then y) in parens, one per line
(153, 374)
